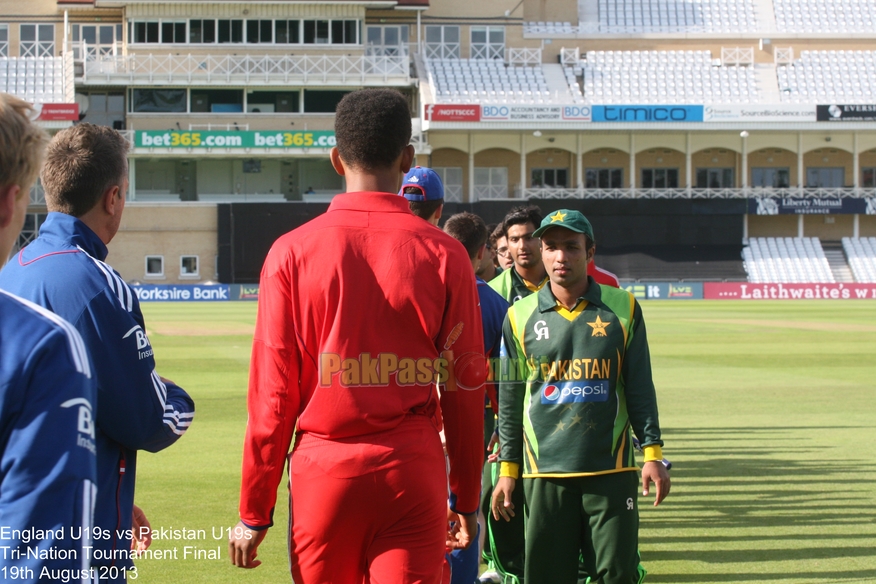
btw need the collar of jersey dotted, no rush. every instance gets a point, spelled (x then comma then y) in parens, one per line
(527, 283)
(71, 231)
(547, 301)
(370, 201)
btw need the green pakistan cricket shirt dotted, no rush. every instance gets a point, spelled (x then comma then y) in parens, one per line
(573, 383)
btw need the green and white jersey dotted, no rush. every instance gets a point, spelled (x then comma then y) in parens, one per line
(573, 384)
(512, 287)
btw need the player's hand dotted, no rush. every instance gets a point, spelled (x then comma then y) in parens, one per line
(494, 443)
(501, 503)
(141, 531)
(464, 530)
(166, 381)
(243, 545)
(655, 471)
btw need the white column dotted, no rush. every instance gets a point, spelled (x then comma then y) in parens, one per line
(800, 169)
(856, 226)
(523, 165)
(800, 225)
(132, 179)
(632, 161)
(745, 228)
(745, 162)
(471, 167)
(419, 33)
(856, 154)
(579, 167)
(688, 160)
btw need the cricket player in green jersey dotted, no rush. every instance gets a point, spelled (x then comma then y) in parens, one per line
(527, 274)
(577, 380)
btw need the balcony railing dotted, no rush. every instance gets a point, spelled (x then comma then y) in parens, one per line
(453, 193)
(693, 193)
(221, 69)
(484, 192)
(37, 194)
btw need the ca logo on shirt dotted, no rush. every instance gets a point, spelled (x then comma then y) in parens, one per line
(541, 331)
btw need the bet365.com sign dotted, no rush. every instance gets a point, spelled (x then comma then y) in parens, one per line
(281, 140)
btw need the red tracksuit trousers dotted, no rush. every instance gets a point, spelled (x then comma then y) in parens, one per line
(372, 509)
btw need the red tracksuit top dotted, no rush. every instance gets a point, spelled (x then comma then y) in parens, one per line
(365, 281)
(601, 276)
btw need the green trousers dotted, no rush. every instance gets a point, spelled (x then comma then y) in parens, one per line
(592, 519)
(505, 543)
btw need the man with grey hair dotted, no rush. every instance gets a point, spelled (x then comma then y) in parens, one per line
(47, 462)
(85, 180)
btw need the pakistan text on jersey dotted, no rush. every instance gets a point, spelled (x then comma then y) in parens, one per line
(545, 369)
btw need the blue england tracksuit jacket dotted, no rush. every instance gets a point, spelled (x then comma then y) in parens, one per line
(47, 462)
(63, 270)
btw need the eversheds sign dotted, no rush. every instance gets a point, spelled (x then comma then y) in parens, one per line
(846, 113)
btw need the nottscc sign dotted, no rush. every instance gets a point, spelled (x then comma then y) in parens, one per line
(453, 113)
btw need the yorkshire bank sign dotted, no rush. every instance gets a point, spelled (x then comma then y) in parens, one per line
(752, 291)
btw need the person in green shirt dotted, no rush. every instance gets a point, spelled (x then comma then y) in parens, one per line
(575, 384)
(527, 274)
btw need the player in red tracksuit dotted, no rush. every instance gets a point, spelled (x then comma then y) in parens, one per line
(602, 276)
(360, 311)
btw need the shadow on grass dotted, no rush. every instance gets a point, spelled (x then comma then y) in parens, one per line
(848, 575)
(776, 488)
(761, 554)
(698, 539)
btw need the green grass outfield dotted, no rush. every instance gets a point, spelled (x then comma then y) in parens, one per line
(768, 411)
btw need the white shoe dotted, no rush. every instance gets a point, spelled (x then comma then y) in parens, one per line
(490, 577)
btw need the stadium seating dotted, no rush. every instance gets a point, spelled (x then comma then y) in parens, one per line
(786, 260)
(829, 77)
(861, 253)
(820, 16)
(673, 262)
(659, 16)
(550, 28)
(676, 16)
(574, 86)
(664, 77)
(463, 80)
(34, 79)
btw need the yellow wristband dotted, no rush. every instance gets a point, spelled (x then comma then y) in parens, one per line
(509, 469)
(652, 453)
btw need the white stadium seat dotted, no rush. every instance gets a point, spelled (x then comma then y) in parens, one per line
(861, 254)
(820, 16)
(34, 79)
(665, 77)
(829, 77)
(786, 260)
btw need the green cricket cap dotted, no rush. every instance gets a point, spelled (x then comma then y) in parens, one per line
(573, 220)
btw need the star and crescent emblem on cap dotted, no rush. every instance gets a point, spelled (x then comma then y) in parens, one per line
(598, 327)
(558, 216)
